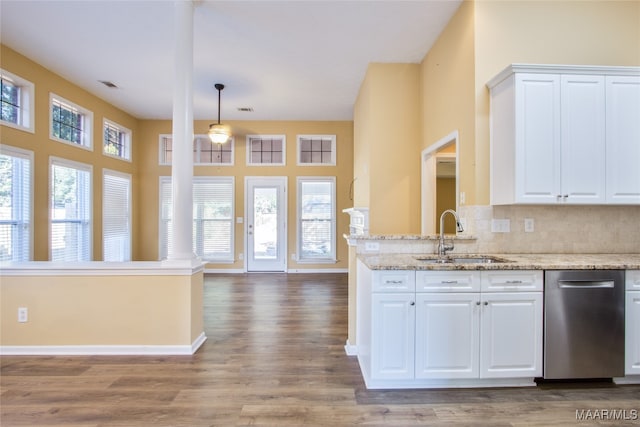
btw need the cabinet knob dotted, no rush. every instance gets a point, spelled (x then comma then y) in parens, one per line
(486, 303)
(477, 302)
(413, 303)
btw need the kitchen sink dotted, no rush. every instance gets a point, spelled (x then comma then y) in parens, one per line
(470, 259)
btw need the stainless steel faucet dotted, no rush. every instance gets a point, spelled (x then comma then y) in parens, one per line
(442, 246)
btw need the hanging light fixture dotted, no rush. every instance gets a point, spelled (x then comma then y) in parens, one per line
(219, 133)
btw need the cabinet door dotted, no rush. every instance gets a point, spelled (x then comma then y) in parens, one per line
(623, 134)
(392, 335)
(511, 335)
(537, 127)
(632, 332)
(583, 139)
(447, 332)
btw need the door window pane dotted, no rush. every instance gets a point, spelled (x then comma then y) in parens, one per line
(265, 214)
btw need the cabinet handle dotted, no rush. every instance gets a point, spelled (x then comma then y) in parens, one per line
(512, 282)
(393, 282)
(449, 282)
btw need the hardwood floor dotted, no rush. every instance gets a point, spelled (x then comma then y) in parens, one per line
(274, 357)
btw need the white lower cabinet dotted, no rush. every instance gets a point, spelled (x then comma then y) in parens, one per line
(392, 341)
(481, 334)
(632, 323)
(449, 328)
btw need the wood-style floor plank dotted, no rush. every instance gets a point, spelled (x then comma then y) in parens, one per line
(274, 357)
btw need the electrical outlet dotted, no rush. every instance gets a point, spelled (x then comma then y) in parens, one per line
(371, 246)
(240, 256)
(529, 225)
(500, 225)
(23, 314)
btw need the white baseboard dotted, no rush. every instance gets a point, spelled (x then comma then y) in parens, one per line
(629, 379)
(318, 270)
(103, 350)
(351, 350)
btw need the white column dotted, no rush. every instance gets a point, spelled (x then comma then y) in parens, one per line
(182, 161)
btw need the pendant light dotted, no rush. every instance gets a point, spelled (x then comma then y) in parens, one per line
(219, 133)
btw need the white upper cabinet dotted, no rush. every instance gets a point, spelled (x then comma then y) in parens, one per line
(565, 135)
(623, 139)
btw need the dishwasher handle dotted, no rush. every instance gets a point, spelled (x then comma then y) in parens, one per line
(585, 284)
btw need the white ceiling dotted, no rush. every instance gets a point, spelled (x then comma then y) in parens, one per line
(288, 60)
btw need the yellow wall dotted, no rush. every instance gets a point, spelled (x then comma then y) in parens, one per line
(145, 168)
(78, 310)
(150, 171)
(557, 32)
(388, 124)
(43, 147)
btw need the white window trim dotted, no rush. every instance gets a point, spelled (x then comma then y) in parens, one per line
(125, 176)
(28, 155)
(87, 132)
(333, 150)
(333, 258)
(284, 150)
(197, 147)
(76, 165)
(167, 180)
(128, 137)
(27, 103)
(206, 138)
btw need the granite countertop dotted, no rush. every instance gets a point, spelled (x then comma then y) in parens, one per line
(512, 262)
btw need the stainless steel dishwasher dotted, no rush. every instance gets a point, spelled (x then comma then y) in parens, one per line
(583, 324)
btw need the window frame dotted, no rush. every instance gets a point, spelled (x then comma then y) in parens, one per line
(26, 121)
(248, 139)
(87, 122)
(331, 258)
(299, 161)
(197, 145)
(89, 222)
(127, 135)
(163, 241)
(28, 156)
(106, 206)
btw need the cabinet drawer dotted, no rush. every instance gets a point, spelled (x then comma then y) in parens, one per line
(512, 280)
(633, 280)
(447, 281)
(394, 281)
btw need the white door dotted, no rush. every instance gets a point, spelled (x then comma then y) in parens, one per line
(538, 147)
(511, 335)
(623, 134)
(583, 139)
(632, 325)
(266, 227)
(447, 331)
(392, 336)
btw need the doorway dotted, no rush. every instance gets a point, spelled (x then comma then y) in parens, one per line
(266, 227)
(439, 160)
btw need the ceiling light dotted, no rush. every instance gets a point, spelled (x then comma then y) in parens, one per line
(219, 133)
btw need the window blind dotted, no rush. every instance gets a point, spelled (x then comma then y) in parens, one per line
(15, 204)
(70, 211)
(213, 214)
(316, 227)
(116, 217)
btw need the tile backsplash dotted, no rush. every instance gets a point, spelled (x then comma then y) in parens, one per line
(556, 229)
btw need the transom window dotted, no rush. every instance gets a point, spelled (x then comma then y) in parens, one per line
(70, 123)
(316, 219)
(204, 151)
(317, 150)
(266, 150)
(117, 140)
(16, 101)
(70, 203)
(16, 198)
